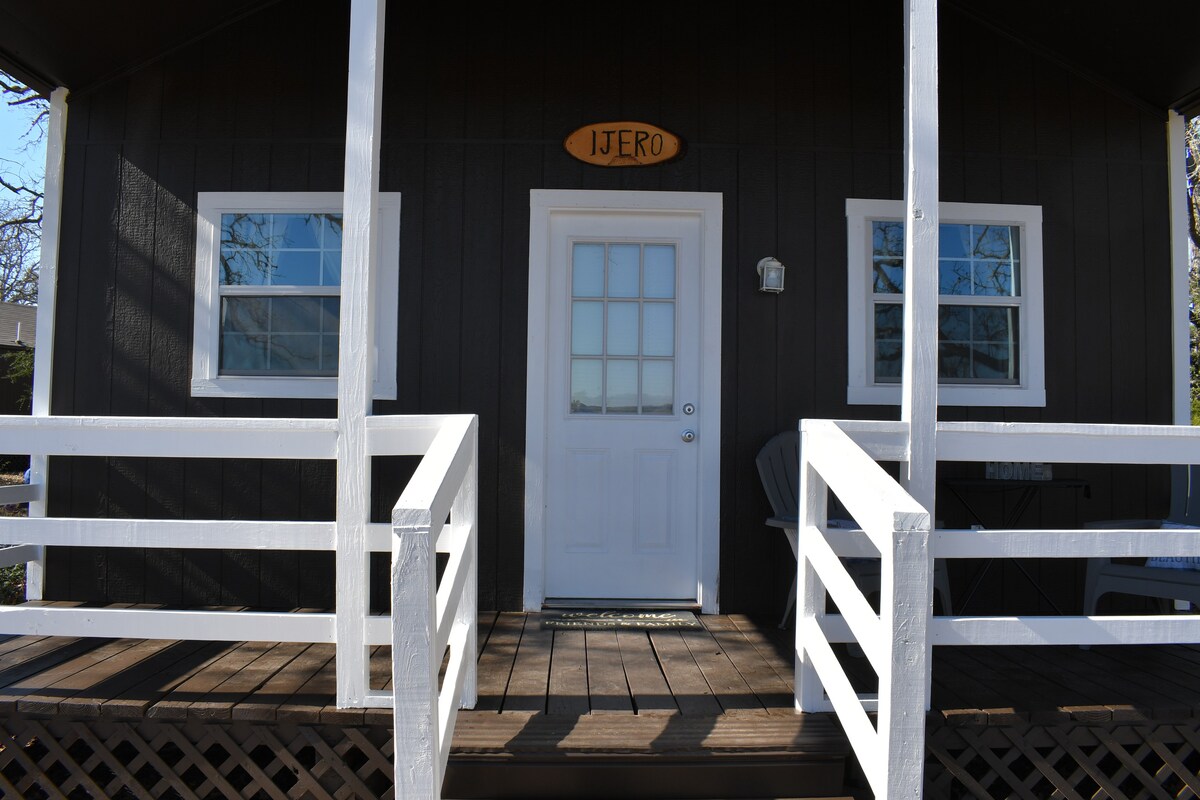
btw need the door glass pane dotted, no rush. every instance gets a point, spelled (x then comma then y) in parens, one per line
(622, 329)
(658, 387)
(624, 268)
(587, 270)
(622, 386)
(587, 328)
(586, 385)
(660, 271)
(658, 333)
(627, 330)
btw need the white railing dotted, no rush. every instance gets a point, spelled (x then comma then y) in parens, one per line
(428, 618)
(445, 477)
(842, 456)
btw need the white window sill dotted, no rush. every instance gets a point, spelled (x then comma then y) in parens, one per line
(952, 395)
(267, 387)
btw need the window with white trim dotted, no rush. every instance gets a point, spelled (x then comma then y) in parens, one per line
(268, 294)
(990, 328)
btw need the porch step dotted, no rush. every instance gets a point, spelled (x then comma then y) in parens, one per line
(743, 779)
(511, 756)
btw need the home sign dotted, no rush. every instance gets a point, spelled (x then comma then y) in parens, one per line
(623, 144)
(1018, 471)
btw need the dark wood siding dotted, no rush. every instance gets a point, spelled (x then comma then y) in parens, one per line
(785, 112)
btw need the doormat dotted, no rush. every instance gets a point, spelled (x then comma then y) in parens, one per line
(612, 620)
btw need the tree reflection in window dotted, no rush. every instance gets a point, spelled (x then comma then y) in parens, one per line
(289, 324)
(281, 249)
(978, 332)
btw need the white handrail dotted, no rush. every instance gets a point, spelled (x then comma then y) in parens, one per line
(427, 618)
(844, 461)
(899, 529)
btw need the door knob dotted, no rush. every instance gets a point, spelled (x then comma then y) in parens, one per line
(688, 435)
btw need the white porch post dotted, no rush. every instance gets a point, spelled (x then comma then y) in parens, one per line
(357, 343)
(1180, 296)
(906, 594)
(919, 382)
(47, 299)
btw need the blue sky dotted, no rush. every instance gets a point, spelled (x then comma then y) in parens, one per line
(30, 163)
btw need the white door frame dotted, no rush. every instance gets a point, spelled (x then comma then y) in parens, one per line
(708, 207)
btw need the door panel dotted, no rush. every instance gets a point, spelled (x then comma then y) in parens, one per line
(622, 355)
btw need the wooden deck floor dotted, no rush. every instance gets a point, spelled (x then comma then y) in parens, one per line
(686, 705)
(735, 667)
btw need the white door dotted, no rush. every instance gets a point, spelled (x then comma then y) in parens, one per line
(626, 408)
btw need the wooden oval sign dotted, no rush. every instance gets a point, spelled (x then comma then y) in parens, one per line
(623, 144)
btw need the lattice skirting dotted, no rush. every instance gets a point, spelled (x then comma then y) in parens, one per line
(99, 758)
(1074, 760)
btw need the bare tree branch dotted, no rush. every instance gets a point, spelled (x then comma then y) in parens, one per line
(17, 188)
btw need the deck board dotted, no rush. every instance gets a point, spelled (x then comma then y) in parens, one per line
(228, 660)
(499, 650)
(42, 692)
(684, 676)
(727, 684)
(607, 686)
(264, 704)
(191, 657)
(648, 687)
(236, 678)
(774, 695)
(530, 677)
(568, 687)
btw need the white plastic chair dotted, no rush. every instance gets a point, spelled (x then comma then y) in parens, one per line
(1146, 580)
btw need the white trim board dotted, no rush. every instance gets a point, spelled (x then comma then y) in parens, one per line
(543, 204)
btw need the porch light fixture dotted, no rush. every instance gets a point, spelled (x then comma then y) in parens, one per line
(770, 275)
